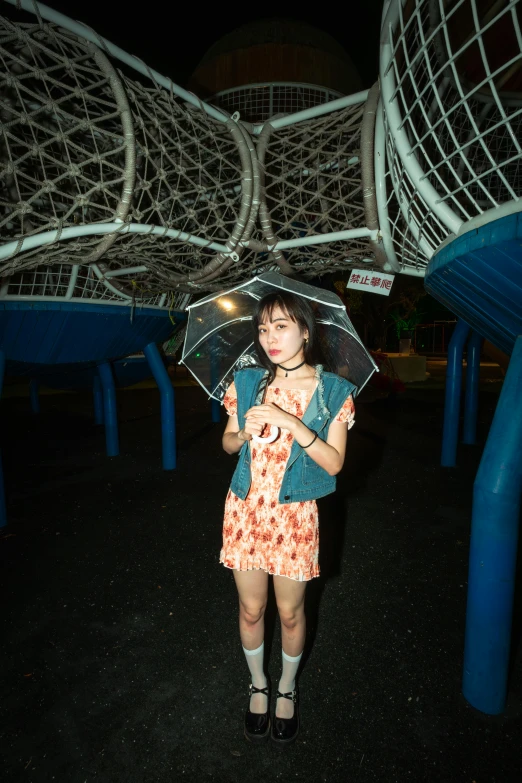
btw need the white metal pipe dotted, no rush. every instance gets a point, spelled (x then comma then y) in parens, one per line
(321, 239)
(5, 286)
(269, 85)
(99, 274)
(72, 232)
(380, 192)
(314, 111)
(413, 271)
(80, 29)
(131, 270)
(508, 208)
(76, 300)
(72, 281)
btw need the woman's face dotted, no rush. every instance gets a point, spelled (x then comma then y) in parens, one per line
(281, 338)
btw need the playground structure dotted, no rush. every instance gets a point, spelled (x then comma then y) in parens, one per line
(143, 192)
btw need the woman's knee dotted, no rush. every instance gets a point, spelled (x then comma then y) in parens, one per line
(291, 616)
(251, 612)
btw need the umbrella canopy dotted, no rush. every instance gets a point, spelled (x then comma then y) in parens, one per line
(219, 338)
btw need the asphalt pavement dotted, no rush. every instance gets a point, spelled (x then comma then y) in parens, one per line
(121, 659)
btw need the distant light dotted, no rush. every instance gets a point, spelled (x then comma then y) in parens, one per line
(198, 355)
(226, 304)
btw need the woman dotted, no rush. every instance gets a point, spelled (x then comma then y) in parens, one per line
(271, 522)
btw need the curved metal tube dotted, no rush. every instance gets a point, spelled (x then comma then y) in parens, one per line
(127, 192)
(264, 214)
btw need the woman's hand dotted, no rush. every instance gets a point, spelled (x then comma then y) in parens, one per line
(252, 427)
(268, 413)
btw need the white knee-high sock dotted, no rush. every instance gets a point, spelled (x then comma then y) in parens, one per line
(285, 708)
(254, 659)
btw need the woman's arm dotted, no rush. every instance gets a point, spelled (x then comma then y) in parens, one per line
(329, 455)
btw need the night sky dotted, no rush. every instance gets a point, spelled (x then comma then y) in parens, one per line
(173, 38)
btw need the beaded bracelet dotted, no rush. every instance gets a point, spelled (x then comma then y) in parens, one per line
(312, 441)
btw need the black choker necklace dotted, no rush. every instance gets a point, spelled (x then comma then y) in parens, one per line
(290, 369)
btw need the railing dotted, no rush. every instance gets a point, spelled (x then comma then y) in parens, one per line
(257, 103)
(75, 283)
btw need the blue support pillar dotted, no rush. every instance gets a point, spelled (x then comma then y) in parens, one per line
(110, 412)
(493, 550)
(215, 408)
(168, 417)
(3, 515)
(33, 395)
(98, 400)
(472, 389)
(450, 433)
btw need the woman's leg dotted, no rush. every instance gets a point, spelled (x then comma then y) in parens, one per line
(252, 587)
(290, 596)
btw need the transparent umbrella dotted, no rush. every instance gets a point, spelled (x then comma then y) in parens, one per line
(219, 338)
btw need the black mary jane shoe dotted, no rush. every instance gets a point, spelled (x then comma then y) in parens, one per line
(257, 726)
(285, 730)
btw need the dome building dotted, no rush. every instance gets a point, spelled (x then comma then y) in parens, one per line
(274, 66)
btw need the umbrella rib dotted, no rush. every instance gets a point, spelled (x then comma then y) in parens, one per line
(212, 331)
(196, 377)
(231, 366)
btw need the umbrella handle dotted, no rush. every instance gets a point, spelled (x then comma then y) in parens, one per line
(274, 432)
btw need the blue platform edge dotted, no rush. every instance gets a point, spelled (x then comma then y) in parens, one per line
(478, 276)
(33, 334)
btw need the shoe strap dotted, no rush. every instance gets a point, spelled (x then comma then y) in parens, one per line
(253, 690)
(291, 696)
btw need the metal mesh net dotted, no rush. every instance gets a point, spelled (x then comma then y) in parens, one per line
(452, 81)
(102, 169)
(260, 102)
(83, 144)
(98, 166)
(313, 187)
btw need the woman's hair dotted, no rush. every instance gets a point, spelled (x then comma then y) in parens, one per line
(299, 310)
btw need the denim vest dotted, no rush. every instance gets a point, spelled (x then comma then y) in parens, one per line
(303, 479)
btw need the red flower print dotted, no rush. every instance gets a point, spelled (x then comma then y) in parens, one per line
(281, 538)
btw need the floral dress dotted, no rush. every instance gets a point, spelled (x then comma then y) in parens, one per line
(259, 532)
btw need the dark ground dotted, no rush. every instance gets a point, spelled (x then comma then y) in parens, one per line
(122, 660)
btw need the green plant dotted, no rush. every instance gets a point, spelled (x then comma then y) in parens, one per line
(406, 323)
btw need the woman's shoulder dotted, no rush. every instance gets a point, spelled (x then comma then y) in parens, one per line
(340, 382)
(248, 372)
